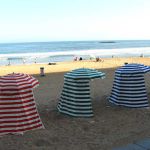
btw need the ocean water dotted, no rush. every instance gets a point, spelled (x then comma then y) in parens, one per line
(45, 52)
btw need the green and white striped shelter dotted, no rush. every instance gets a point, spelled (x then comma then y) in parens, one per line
(75, 98)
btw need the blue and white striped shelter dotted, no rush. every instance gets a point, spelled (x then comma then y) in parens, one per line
(129, 86)
(75, 98)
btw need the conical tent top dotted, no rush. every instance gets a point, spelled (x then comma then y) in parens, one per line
(18, 79)
(84, 73)
(133, 69)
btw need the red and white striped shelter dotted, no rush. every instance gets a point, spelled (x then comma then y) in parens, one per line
(18, 112)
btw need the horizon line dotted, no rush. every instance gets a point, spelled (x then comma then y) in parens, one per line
(52, 41)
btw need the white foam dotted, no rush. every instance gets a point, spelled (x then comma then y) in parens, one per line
(93, 52)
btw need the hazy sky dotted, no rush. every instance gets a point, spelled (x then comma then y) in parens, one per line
(58, 20)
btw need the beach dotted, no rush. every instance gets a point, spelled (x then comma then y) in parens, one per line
(110, 127)
(68, 66)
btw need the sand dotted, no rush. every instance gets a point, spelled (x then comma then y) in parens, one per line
(67, 66)
(110, 127)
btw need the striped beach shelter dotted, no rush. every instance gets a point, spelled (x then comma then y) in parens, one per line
(129, 86)
(18, 111)
(75, 98)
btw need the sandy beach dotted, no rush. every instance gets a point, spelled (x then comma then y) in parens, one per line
(110, 127)
(67, 66)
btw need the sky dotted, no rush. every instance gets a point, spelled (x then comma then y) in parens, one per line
(69, 20)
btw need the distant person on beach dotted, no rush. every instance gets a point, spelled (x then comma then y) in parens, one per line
(141, 55)
(76, 58)
(80, 59)
(35, 60)
(24, 61)
(99, 59)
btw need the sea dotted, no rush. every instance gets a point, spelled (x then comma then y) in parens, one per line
(47, 52)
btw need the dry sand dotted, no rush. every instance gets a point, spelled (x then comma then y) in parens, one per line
(110, 127)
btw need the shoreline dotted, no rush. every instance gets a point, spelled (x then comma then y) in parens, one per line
(70, 65)
(68, 55)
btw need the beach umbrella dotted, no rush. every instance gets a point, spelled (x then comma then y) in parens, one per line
(18, 111)
(129, 86)
(75, 98)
